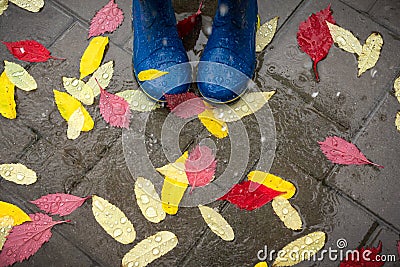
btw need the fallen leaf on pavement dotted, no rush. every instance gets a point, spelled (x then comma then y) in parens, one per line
(7, 103)
(185, 105)
(77, 89)
(217, 223)
(29, 50)
(6, 224)
(186, 25)
(138, 100)
(107, 19)
(363, 261)
(93, 55)
(18, 174)
(18, 215)
(75, 124)
(271, 181)
(266, 33)
(288, 215)
(59, 203)
(345, 39)
(148, 200)
(370, 53)
(30, 5)
(19, 76)
(215, 126)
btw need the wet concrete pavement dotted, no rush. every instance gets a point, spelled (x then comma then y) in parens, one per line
(357, 203)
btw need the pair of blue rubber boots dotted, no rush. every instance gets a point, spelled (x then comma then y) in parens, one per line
(228, 60)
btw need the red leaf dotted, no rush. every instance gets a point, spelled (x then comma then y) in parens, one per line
(368, 260)
(340, 151)
(398, 247)
(114, 109)
(241, 196)
(29, 50)
(314, 37)
(200, 166)
(185, 105)
(107, 19)
(186, 25)
(60, 204)
(26, 239)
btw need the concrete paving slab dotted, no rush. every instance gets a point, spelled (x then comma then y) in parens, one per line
(389, 245)
(388, 13)
(361, 5)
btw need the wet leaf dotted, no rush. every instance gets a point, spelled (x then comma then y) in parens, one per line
(77, 89)
(59, 203)
(217, 223)
(19, 76)
(29, 50)
(7, 103)
(138, 100)
(150, 74)
(176, 170)
(396, 86)
(185, 105)
(30, 5)
(18, 174)
(271, 181)
(200, 166)
(75, 124)
(93, 55)
(107, 19)
(366, 258)
(18, 215)
(103, 75)
(216, 127)
(148, 200)
(261, 264)
(265, 34)
(288, 215)
(293, 252)
(6, 224)
(397, 121)
(186, 25)
(340, 151)
(26, 239)
(150, 249)
(370, 53)
(3, 6)
(67, 105)
(345, 39)
(113, 220)
(314, 37)
(247, 104)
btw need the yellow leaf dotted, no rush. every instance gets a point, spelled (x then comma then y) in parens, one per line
(150, 249)
(258, 22)
(7, 103)
(370, 53)
(261, 264)
(217, 223)
(397, 122)
(113, 220)
(148, 200)
(75, 124)
(19, 76)
(30, 5)
(3, 6)
(216, 127)
(6, 224)
(67, 105)
(248, 104)
(150, 74)
(138, 100)
(19, 216)
(18, 174)
(274, 182)
(93, 55)
(344, 39)
(103, 75)
(265, 34)
(396, 86)
(300, 250)
(77, 89)
(288, 215)
(176, 171)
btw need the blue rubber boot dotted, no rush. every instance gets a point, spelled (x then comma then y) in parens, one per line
(229, 58)
(156, 45)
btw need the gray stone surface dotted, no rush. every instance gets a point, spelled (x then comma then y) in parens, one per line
(361, 5)
(389, 245)
(388, 13)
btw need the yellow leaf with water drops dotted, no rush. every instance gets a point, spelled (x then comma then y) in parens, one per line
(18, 215)
(17, 173)
(138, 100)
(30, 5)
(103, 75)
(216, 127)
(274, 182)
(150, 74)
(67, 105)
(150, 249)
(176, 170)
(7, 103)
(113, 220)
(397, 122)
(77, 89)
(246, 105)
(261, 264)
(370, 53)
(344, 39)
(93, 55)
(6, 224)
(396, 86)
(288, 215)
(75, 124)
(148, 200)
(3, 6)
(19, 76)
(300, 250)
(217, 223)
(266, 33)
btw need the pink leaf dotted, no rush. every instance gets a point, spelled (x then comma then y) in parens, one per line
(26, 239)
(340, 151)
(114, 109)
(29, 50)
(60, 204)
(185, 105)
(186, 25)
(107, 19)
(200, 166)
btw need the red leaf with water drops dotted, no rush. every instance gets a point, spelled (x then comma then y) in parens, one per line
(200, 166)
(107, 19)
(29, 50)
(26, 239)
(340, 151)
(114, 109)
(365, 259)
(186, 25)
(59, 203)
(185, 105)
(314, 37)
(241, 196)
